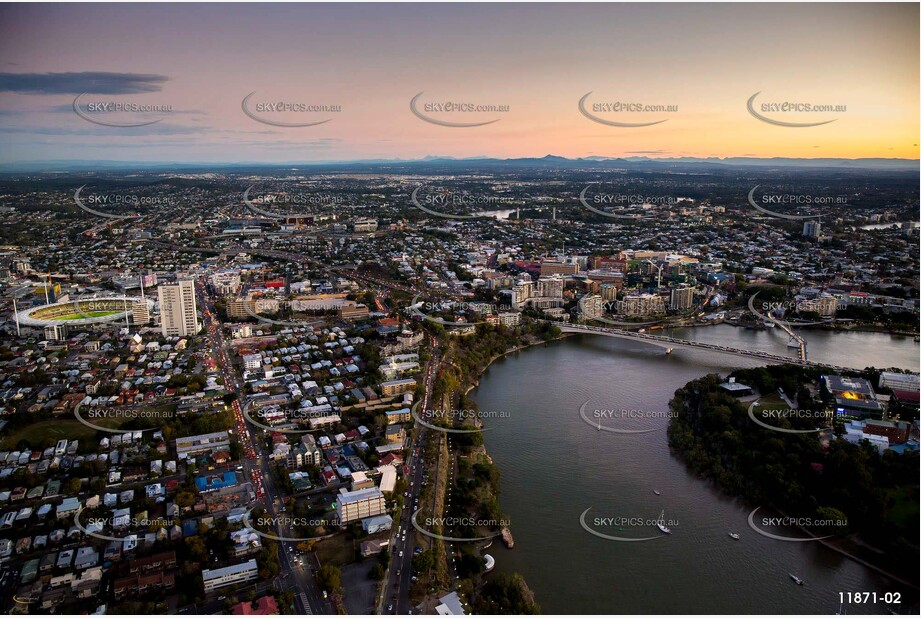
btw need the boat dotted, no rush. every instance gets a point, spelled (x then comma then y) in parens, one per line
(735, 535)
(660, 524)
(798, 581)
(657, 492)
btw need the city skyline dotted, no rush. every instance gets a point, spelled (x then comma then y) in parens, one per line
(532, 63)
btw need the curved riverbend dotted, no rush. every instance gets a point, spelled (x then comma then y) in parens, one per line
(554, 466)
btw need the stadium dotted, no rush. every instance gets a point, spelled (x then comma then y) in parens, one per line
(83, 312)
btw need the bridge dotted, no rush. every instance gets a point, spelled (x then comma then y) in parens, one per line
(670, 343)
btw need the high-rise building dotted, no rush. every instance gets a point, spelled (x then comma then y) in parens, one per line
(522, 293)
(178, 312)
(140, 312)
(812, 229)
(551, 286)
(681, 299)
(592, 306)
(640, 305)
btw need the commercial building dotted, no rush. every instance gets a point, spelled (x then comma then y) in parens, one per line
(204, 443)
(899, 381)
(354, 311)
(178, 311)
(235, 574)
(365, 225)
(852, 397)
(355, 505)
(557, 267)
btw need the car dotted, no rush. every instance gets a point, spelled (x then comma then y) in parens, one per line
(390, 607)
(398, 572)
(401, 553)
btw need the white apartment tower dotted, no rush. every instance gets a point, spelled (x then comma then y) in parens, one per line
(178, 315)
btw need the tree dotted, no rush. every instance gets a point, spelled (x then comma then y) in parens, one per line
(329, 577)
(72, 486)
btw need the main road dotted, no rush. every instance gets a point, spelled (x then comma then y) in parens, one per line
(297, 575)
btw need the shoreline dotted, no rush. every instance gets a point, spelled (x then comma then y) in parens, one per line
(476, 382)
(825, 543)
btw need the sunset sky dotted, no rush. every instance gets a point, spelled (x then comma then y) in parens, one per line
(539, 60)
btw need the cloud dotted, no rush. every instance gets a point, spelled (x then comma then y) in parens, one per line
(153, 129)
(95, 82)
(68, 108)
(648, 152)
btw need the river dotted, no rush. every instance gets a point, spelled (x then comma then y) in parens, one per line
(554, 466)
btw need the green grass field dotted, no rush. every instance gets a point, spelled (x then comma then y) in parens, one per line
(55, 430)
(87, 314)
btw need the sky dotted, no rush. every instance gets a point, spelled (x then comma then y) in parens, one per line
(698, 64)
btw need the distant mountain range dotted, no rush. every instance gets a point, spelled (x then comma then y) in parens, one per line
(547, 162)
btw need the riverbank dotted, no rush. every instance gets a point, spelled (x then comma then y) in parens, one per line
(706, 571)
(476, 381)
